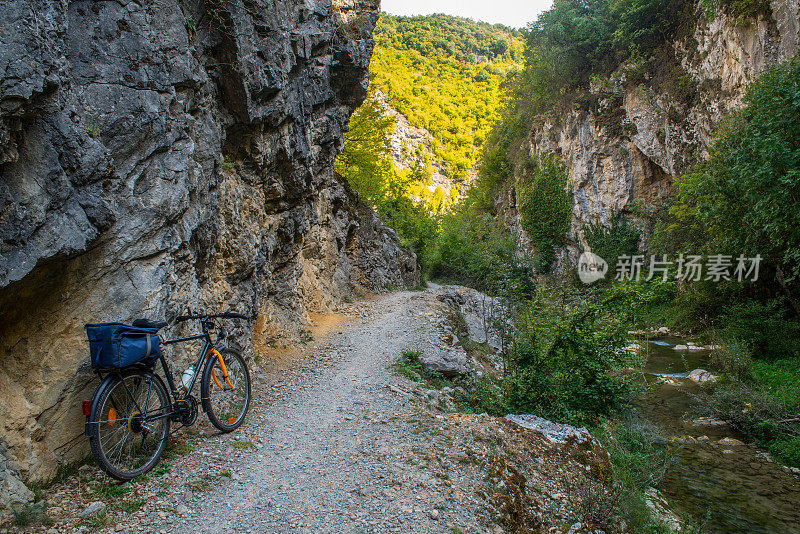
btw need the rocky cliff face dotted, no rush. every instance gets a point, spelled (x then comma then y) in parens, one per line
(165, 154)
(412, 146)
(633, 132)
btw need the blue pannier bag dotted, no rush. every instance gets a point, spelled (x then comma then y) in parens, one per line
(118, 345)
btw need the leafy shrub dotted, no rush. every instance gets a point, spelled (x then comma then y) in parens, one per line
(566, 360)
(474, 249)
(766, 408)
(639, 460)
(611, 243)
(766, 325)
(546, 207)
(734, 358)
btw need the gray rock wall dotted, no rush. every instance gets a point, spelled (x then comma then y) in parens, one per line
(637, 137)
(167, 153)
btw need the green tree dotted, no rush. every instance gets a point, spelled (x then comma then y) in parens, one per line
(365, 161)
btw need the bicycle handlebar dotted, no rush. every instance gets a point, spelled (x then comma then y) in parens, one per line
(225, 315)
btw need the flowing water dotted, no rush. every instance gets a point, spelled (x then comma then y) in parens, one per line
(726, 488)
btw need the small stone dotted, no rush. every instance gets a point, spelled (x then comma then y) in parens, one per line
(434, 514)
(94, 508)
(181, 510)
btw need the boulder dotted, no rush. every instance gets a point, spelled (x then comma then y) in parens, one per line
(701, 376)
(450, 361)
(553, 432)
(576, 442)
(13, 492)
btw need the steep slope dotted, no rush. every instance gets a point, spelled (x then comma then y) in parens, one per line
(441, 77)
(629, 134)
(163, 155)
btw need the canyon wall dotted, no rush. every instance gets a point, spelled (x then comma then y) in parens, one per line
(631, 133)
(164, 154)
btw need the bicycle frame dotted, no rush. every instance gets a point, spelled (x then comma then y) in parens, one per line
(203, 355)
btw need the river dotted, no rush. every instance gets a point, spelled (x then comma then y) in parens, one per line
(727, 488)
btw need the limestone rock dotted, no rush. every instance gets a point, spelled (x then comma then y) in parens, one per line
(624, 142)
(93, 509)
(701, 376)
(13, 492)
(450, 361)
(553, 432)
(154, 158)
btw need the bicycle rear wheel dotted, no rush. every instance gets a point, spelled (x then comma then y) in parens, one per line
(226, 399)
(129, 425)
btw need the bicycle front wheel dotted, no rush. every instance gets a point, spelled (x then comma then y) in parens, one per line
(225, 390)
(130, 424)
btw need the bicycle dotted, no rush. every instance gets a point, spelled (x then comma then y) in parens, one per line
(129, 416)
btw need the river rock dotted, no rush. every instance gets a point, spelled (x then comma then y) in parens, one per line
(730, 442)
(669, 381)
(706, 422)
(701, 376)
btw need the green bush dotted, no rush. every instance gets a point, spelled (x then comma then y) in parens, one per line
(474, 249)
(765, 407)
(734, 358)
(546, 208)
(611, 243)
(566, 361)
(639, 460)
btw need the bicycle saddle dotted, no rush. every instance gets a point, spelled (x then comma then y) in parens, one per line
(147, 323)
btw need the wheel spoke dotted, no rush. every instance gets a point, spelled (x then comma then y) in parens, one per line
(129, 443)
(228, 396)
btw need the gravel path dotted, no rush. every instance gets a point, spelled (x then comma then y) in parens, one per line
(336, 441)
(336, 454)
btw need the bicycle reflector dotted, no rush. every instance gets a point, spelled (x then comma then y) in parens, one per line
(87, 407)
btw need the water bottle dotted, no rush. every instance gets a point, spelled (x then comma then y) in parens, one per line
(187, 377)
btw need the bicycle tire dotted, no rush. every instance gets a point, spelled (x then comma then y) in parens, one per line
(118, 412)
(226, 406)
